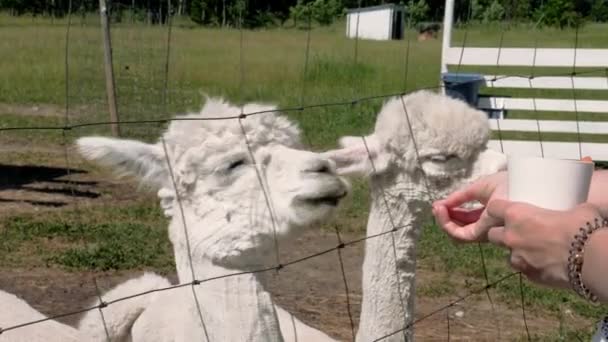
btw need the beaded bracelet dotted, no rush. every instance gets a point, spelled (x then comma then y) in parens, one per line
(601, 335)
(576, 258)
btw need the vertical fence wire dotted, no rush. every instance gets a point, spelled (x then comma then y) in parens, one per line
(406, 62)
(530, 84)
(497, 67)
(165, 95)
(392, 237)
(305, 74)
(102, 305)
(523, 306)
(356, 43)
(194, 281)
(257, 167)
(306, 60)
(574, 97)
(487, 290)
(480, 247)
(466, 35)
(339, 249)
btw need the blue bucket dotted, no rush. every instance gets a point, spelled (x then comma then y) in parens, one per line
(463, 86)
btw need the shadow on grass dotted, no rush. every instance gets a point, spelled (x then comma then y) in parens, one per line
(23, 178)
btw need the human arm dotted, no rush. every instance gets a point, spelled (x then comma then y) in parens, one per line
(540, 242)
(595, 267)
(538, 238)
(598, 191)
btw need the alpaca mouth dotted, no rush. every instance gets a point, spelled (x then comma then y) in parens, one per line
(330, 199)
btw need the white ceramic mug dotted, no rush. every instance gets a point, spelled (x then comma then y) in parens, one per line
(556, 184)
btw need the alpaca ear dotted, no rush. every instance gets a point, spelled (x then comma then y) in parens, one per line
(360, 156)
(144, 161)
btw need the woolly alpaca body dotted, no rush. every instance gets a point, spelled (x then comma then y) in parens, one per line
(225, 187)
(173, 315)
(14, 310)
(447, 149)
(118, 316)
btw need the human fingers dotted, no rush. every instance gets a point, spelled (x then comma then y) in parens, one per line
(519, 263)
(498, 208)
(480, 190)
(496, 236)
(456, 230)
(472, 232)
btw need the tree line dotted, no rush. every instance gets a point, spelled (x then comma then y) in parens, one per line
(262, 13)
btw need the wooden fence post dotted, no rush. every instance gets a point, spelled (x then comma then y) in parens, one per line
(109, 69)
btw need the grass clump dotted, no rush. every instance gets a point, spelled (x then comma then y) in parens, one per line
(129, 238)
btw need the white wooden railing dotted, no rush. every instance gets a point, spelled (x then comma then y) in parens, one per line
(569, 59)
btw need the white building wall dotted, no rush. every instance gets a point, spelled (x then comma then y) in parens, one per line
(374, 24)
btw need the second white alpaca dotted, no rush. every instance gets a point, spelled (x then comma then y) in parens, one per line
(423, 146)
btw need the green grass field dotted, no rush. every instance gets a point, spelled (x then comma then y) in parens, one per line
(273, 66)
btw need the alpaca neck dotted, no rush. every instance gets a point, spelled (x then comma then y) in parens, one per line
(390, 259)
(233, 308)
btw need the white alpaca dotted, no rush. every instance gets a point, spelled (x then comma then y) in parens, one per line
(118, 317)
(15, 311)
(447, 149)
(224, 210)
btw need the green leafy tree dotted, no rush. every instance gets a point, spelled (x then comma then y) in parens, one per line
(197, 9)
(326, 11)
(301, 13)
(323, 12)
(417, 11)
(558, 13)
(599, 11)
(494, 12)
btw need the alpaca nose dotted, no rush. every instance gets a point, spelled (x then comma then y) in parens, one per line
(320, 166)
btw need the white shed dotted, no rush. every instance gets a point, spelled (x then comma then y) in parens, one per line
(384, 22)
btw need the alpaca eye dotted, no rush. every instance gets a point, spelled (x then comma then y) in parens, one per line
(236, 164)
(441, 158)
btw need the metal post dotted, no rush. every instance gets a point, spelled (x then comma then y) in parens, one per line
(109, 69)
(448, 19)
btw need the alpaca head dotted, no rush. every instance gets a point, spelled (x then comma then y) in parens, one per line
(423, 134)
(241, 182)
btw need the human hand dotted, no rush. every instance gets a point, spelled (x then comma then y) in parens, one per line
(471, 225)
(539, 239)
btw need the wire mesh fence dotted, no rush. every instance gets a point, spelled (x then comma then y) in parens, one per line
(149, 87)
